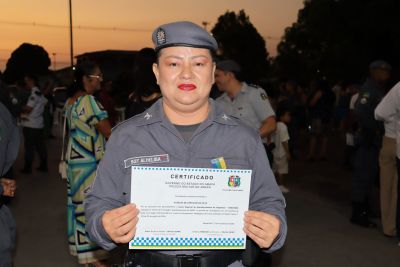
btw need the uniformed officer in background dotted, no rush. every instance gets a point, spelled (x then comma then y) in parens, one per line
(32, 122)
(9, 145)
(185, 128)
(248, 103)
(368, 141)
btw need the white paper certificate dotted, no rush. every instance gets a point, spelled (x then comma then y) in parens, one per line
(190, 208)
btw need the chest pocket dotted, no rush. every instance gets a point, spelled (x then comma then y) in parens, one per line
(242, 111)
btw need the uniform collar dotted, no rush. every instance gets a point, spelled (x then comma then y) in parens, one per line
(156, 114)
(243, 90)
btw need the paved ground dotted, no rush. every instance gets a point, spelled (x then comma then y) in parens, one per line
(318, 208)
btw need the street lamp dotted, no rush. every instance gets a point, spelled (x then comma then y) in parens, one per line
(70, 34)
(54, 61)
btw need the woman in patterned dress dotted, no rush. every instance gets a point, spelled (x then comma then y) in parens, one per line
(88, 130)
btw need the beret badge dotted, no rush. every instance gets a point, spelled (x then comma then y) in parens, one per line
(161, 37)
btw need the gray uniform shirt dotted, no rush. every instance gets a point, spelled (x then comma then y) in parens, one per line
(9, 145)
(152, 134)
(9, 139)
(251, 105)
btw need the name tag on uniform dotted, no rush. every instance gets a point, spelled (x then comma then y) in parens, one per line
(146, 160)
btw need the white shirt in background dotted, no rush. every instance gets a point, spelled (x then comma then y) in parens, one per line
(278, 137)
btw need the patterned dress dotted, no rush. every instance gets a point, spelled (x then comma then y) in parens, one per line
(85, 149)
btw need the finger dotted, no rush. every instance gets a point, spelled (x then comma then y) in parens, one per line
(256, 231)
(259, 241)
(124, 209)
(262, 219)
(126, 230)
(127, 227)
(258, 214)
(128, 236)
(119, 220)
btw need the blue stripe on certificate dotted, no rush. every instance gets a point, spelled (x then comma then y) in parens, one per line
(195, 243)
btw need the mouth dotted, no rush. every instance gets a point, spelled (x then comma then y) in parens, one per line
(187, 87)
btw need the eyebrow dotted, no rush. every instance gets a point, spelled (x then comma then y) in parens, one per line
(192, 57)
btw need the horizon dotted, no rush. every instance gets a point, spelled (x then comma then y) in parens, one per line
(47, 24)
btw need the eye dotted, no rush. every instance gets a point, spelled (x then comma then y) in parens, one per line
(172, 64)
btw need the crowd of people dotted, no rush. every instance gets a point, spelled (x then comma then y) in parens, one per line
(170, 109)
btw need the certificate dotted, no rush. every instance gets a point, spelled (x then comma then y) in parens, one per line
(190, 208)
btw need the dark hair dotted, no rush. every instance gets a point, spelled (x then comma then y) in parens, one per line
(145, 82)
(281, 110)
(238, 75)
(82, 69)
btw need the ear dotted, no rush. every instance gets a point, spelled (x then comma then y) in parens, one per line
(230, 74)
(156, 72)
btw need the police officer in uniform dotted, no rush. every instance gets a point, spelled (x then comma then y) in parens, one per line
(368, 141)
(33, 123)
(9, 145)
(246, 102)
(185, 128)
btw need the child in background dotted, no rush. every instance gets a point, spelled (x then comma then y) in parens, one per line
(281, 151)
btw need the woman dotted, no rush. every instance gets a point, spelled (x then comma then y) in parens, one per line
(88, 130)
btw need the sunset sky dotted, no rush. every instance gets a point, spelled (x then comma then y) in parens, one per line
(124, 24)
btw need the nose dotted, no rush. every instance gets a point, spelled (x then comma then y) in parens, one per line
(187, 72)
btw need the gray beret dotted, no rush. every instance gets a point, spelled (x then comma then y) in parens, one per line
(228, 65)
(183, 33)
(380, 64)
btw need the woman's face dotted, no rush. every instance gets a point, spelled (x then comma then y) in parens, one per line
(92, 82)
(185, 76)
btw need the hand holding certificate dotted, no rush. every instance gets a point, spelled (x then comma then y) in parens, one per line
(190, 208)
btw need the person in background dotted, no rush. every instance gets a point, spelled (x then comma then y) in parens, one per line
(107, 101)
(248, 103)
(187, 129)
(368, 140)
(32, 122)
(281, 151)
(9, 146)
(88, 129)
(146, 91)
(351, 128)
(388, 110)
(321, 108)
(48, 114)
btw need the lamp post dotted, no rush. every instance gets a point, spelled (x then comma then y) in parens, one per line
(54, 61)
(70, 34)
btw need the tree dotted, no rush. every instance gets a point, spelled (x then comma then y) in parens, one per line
(337, 39)
(239, 40)
(27, 58)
